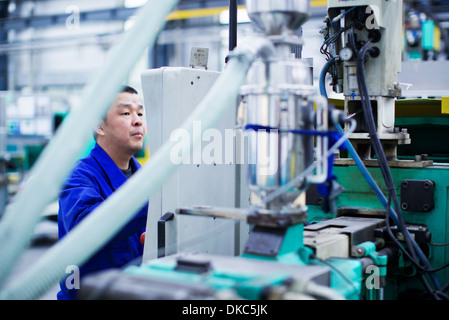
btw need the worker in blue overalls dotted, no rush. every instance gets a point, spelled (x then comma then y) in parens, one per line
(95, 177)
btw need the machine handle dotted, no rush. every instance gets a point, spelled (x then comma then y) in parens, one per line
(161, 233)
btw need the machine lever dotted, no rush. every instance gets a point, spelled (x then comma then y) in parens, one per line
(161, 233)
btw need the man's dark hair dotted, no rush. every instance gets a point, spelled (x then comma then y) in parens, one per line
(129, 89)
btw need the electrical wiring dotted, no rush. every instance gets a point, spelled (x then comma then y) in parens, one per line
(445, 287)
(375, 142)
(324, 47)
(439, 244)
(391, 212)
(351, 39)
(336, 35)
(341, 274)
(339, 17)
(398, 244)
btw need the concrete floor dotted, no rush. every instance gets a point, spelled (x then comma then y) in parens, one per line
(45, 236)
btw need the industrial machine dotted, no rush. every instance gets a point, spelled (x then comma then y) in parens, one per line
(333, 211)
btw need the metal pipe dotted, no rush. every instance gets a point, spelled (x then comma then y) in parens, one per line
(232, 24)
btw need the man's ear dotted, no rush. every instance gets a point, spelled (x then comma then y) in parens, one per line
(99, 130)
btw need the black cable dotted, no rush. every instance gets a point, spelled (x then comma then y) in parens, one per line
(442, 295)
(439, 244)
(329, 41)
(421, 275)
(369, 120)
(351, 40)
(383, 165)
(375, 142)
(341, 274)
(404, 250)
(445, 287)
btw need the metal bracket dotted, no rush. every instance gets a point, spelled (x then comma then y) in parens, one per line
(417, 195)
(161, 233)
(265, 241)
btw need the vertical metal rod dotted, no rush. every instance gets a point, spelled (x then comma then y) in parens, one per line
(161, 245)
(232, 24)
(4, 57)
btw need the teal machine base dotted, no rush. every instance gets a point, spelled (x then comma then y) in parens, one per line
(248, 278)
(423, 189)
(276, 261)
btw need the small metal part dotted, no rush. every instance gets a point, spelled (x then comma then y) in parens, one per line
(193, 265)
(420, 233)
(358, 229)
(217, 212)
(281, 220)
(327, 243)
(265, 241)
(357, 251)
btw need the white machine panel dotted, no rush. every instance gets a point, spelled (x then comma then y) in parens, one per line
(170, 96)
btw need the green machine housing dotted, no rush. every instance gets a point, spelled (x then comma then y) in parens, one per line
(421, 176)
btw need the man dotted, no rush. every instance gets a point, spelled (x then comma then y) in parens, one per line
(97, 176)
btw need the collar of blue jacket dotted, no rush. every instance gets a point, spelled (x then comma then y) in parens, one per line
(113, 172)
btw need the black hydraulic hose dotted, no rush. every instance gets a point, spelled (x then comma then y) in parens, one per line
(366, 105)
(351, 40)
(413, 260)
(387, 175)
(369, 120)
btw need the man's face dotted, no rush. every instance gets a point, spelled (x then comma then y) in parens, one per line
(124, 127)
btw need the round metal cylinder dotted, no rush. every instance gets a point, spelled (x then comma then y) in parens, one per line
(275, 17)
(276, 96)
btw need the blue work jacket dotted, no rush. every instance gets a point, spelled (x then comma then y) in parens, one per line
(93, 179)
